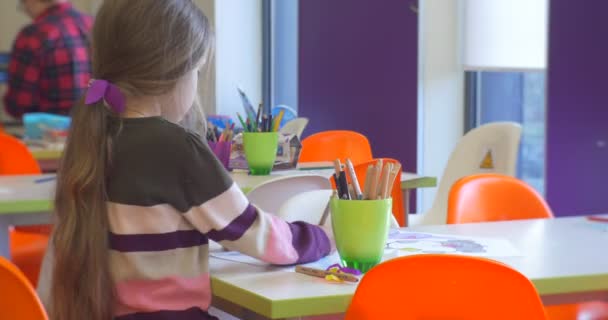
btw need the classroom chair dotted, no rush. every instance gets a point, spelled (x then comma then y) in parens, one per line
(307, 206)
(494, 197)
(396, 193)
(444, 286)
(490, 148)
(28, 243)
(270, 195)
(15, 158)
(18, 299)
(295, 126)
(337, 144)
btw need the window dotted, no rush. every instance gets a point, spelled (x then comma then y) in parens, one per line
(518, 97)
(281, 52)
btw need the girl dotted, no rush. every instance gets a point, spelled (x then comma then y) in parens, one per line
(138, 196)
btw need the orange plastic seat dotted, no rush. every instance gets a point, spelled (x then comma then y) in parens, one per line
(444, 287)
(595, 310)
(15, 158)
(493, 197)
(396, 194)
(18, 299)
(27, 251)
(338, 144)
(28, 243)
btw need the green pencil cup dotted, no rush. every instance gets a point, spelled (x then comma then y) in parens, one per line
(260, 151)
(360, 230)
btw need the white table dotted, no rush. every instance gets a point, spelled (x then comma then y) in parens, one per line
(246, 181)
(409, 182)
(565, 259)
(24, 200)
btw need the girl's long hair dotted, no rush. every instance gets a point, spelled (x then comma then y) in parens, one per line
(144, 47)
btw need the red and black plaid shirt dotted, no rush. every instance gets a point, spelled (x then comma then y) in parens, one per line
(50, 65)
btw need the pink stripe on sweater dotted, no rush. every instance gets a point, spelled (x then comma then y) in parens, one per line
(171, 294)
(279, 248)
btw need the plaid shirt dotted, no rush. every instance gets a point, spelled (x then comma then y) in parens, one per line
(50, 65)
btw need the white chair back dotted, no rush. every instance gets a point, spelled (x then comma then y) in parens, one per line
(310, 206)
(295, 126)
(490, 148)
(270, 195)
(307, 206)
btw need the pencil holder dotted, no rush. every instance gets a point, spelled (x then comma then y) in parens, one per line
(360, 230)
(260, 151)
(222, 150)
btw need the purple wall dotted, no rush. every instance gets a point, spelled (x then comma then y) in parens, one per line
(358, 71)
(577, 119)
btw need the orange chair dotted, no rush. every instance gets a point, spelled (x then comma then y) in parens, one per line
(493, 197)
(444, 287)
(338, 144)
(15, 158)
(18, 299)
(396, 194)
(28, 243)
(595, 310)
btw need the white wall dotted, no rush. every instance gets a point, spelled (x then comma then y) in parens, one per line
(441, 89)
(238, 53)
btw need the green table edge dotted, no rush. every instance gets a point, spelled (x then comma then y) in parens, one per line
(573, 284)
(29, 206)
(25, 206)
(336, 304)
(47, 154)
(290, 308)
(247, 299)
(422, 182)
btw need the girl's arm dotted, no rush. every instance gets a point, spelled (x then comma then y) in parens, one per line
(232, 221)
(217, 207)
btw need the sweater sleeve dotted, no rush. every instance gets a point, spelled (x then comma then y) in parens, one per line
(224, 215)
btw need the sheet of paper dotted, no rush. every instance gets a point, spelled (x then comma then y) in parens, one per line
(410, 243)
(322, 264)
(404, 243)
(235, 256)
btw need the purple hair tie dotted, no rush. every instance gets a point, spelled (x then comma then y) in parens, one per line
(103, 90)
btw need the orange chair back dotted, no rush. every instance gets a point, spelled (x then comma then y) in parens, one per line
(18, 299)
(494, 197)
(396, 193)
(15, 158)
(338, 144)
(444, 287)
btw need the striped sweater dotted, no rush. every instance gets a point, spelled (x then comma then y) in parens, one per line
(168, 196)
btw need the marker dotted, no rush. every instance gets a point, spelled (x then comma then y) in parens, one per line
(43, 180)
(598, 219)
(322, 274)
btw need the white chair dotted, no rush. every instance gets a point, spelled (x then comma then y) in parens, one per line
(490, 148)
(309, 207)
(295, 126)
(270, 195)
